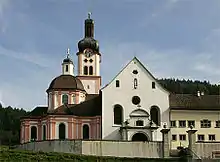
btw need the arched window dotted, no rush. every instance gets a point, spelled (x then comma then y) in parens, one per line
(85, 70)
(90, 70)
(44, 132)
(33, 133)
(118, 114)
(85, 131)
(65, 99)
(74, 99)
(135, 83)
(66, 68)
(139, 123)
(62, 131)
(155, 114)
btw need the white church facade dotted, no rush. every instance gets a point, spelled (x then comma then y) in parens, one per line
(140, 103)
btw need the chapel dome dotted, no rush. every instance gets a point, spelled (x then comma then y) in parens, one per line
(66, 82)
(88, 42)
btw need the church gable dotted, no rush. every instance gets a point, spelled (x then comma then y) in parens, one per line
(134, 75)
(133, 88)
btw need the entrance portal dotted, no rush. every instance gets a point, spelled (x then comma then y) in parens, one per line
(139, 137)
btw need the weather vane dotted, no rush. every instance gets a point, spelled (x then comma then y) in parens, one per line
(89, 15)
(68, 52)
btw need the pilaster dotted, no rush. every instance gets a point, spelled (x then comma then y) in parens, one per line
(166, 142)
(192, 141)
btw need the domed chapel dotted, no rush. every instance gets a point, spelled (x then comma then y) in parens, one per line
(133, 106)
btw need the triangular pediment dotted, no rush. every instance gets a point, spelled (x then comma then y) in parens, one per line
(135, 60)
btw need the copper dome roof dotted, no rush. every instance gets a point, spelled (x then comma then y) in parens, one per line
(66, 82)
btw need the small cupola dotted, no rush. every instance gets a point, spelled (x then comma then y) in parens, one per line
(68, 65)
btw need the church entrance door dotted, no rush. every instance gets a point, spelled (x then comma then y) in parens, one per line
(139, 137)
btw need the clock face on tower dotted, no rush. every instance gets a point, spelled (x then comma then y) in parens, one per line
(88, 53)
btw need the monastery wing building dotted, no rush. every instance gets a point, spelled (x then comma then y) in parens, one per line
(133, 106)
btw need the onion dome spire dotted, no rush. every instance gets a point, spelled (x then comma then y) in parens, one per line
(88, 41)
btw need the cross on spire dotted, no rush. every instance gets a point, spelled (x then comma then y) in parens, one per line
(68, 52)
(89, 15)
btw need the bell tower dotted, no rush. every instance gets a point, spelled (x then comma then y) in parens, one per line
(89, 59)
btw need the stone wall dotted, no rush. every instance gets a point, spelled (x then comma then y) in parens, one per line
(67, 146)
(122, 149)
(98, 148)
(207, 149)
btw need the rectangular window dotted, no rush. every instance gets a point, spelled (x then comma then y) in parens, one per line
(66, 68)
(153, 85)
(182, 137)
(205, 123)
(211, 137)
(117, 83)
(201, 137)
(139, 123)
(173, 123)
(174, 137)
(182, 123)
(191, 123)
(217, 124)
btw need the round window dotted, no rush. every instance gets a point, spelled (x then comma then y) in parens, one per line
(135, 72)
(136, 100)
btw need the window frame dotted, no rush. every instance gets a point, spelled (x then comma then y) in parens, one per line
(65, 97)
(202, 136)
(211, 135)
(135, 83)
(85, 70)
(137, 123)
(117, 83)
(205, 123)
(90, 70)
(182, 121)
(66, 68)
(116, 114)
(188, 123)
(174, 137)
(153, 85)
(173, 125)
(217, 124)
(182, 135)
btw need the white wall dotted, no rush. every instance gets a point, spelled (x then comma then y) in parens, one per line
(89, 85)
(112, 95)
(70, 69)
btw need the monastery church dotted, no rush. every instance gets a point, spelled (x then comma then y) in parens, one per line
(133, 106)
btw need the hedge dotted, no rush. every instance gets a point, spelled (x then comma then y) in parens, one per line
(29, 156)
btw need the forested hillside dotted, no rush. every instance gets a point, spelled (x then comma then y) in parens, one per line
(10, 125)
(189, 86)
(10, 117)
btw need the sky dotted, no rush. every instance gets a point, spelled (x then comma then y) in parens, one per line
(172, 38)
